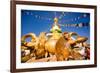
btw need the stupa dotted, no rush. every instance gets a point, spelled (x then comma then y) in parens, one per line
(55, 31)
(55, 27)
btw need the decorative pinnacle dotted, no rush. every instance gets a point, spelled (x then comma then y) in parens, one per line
(55, 20)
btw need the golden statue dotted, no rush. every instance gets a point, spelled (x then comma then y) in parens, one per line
(55, 44)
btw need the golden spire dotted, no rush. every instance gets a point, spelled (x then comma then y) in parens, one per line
(55, 20)
(55, 26)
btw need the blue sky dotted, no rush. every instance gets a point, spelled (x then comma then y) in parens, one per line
(41, 21)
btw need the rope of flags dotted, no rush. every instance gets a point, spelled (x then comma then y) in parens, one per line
(61, 21)
(75, 25)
